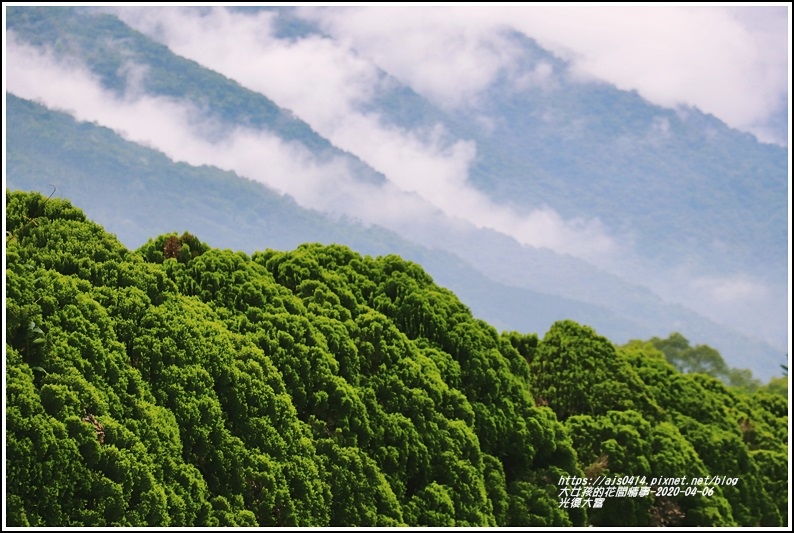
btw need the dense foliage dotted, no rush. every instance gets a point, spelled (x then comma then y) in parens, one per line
(184, 385)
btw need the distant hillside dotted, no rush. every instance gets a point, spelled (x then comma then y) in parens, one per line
(183, 385)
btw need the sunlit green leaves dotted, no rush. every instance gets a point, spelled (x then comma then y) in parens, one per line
(318, 387)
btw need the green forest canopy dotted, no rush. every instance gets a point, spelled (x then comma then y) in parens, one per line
(180, 385)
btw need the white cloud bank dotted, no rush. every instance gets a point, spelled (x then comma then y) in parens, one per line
(728, 61)
(324, 82)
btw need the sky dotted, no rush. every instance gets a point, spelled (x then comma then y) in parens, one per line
(731, 62)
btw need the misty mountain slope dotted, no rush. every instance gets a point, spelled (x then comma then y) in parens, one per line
(647, 172)
(588, 149)
(126, 61)
(498, 257)
(139, 190)
(136, 192)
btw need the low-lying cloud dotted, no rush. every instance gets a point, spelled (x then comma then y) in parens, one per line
(731, 62)
(449, 55)
(179, 130)
(326, 83)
